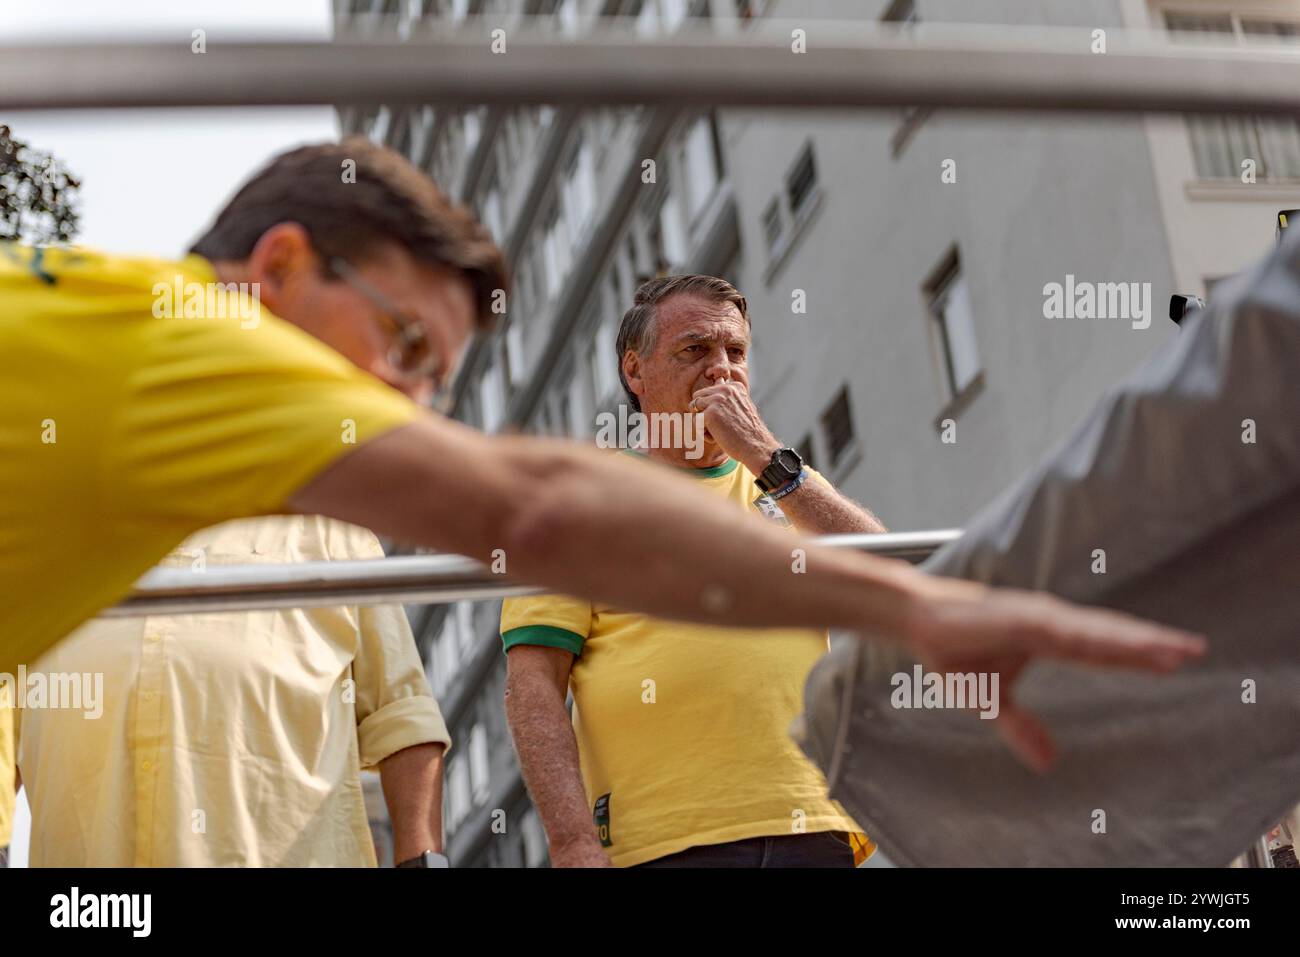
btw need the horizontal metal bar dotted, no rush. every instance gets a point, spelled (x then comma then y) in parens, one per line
(419, 579)
(960, 71)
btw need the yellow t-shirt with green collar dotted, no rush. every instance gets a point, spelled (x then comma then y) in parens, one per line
(123, 430)
(683, 730)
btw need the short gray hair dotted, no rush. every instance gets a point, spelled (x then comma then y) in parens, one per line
(637, 331)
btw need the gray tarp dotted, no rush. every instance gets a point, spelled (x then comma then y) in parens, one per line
(1200, 529)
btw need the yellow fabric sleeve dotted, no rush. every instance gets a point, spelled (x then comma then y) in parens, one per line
(553, 621)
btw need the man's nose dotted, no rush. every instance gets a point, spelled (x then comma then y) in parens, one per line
(719, 369)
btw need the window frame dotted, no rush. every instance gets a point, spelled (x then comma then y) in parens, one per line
(935, 288)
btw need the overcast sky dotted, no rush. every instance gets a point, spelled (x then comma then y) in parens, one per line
(152, 179)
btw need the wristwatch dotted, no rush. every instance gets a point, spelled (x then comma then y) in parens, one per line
(427, 859)
(785, 467)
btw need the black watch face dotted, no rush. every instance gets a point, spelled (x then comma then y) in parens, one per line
(788, 460)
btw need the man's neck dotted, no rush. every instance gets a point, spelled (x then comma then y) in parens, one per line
(713, 457)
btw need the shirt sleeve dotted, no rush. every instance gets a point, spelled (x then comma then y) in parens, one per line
(552, 621)
(216, 421)
(394, 706)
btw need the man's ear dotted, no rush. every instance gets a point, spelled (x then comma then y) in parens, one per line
(632, 373)
(280, 255)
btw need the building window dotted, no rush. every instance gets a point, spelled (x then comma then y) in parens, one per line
(673, 245)
(654, 237)
(557, 253)
(464, 612)
(789, 213)
(634, 264)
(472, 127)
(564, 415)
(700, 163)
(535, 849)
(445, 657)
(837, 427)
(604, 362)
(773, 225)
(528, 294)
(948, 298)
(902, 15)
(1221, 143)
(493, 404)
(801, 183)
(901, 12)
(478, 763)
(379, 128)
(459, 795)
(579, 192)
(514, 355)
(566, 16)
(492, 217)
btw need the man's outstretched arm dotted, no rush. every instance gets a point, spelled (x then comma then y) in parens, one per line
(599, 526)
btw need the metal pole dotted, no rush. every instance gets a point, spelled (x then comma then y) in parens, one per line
(422, 579)
(759, 69)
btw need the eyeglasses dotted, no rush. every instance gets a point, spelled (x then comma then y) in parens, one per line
(411, 353)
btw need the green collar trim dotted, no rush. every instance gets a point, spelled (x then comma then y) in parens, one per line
(726, 468)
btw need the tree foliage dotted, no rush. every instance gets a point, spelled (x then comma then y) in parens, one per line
(38, 195)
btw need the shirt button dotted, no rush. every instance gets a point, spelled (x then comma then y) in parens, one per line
(154, 636)
(148, 696)
(147, 765)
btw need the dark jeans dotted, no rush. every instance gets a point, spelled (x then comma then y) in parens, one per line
(4, 856)
(823, 849)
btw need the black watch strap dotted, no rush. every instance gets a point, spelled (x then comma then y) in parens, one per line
(785, 466)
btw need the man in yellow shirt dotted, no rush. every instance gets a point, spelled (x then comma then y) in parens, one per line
(680, 732)
(273, 370)
(238, 739)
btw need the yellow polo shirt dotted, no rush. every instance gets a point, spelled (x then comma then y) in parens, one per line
(227, 739)
(122, 432)
(683, 730)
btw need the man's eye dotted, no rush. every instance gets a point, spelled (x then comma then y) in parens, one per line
(738, 353)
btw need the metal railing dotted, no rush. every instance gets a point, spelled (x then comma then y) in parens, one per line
(422, 579)
(970, 68)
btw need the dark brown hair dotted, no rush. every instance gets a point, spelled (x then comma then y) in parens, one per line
(637, 331)
(382, 197)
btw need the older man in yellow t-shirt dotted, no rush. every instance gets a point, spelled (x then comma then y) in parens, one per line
(679, 752)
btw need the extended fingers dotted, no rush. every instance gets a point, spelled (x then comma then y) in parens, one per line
(1113, 639)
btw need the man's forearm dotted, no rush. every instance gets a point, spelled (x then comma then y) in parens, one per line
(600, 526)
(548, 757)
(677, 555)
(412, 783)
(818, 508)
